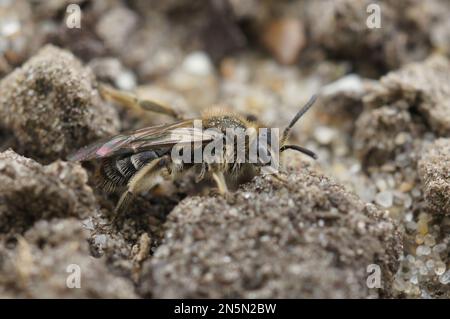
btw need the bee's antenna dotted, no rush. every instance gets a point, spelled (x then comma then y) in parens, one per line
(299, 149)
(300, 113)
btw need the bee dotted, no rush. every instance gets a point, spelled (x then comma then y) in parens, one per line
(134, 162)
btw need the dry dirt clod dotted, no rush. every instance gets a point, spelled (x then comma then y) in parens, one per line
(405, 33)
(30, 192)
(434, 171)
(52, 107)
(311, 239)
(45, 263)
(401, 108)
(425, 86)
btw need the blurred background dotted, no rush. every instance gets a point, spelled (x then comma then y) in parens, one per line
(381, 71)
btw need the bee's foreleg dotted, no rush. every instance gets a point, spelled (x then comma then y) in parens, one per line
(134, 103)
(219, 178)
(144, 180)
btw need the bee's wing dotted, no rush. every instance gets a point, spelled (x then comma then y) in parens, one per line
(144, 139)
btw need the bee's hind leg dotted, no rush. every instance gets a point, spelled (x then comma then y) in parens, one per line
(219, 178)
(132, 102)
(280, 178)
(144, 180)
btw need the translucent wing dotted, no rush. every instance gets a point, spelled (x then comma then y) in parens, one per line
(149, 138)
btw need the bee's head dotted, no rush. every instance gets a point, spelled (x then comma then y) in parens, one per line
(287, 131)
(268, 143)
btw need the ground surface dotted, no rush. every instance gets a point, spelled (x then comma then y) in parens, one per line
(378, 195)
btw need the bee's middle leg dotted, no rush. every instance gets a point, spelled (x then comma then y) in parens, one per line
(219, 178)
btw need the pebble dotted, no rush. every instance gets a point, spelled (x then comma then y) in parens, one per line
(381, 184)
(414, 280)
(439, 267)
(411, 225)
(407, 201)
(384, 199)
(445, 278)
(430, 264)
(406, 187)
(100, 240)
(429, 240)
(422, 226)
(348, 83)
(9, 27)
(324, 135)
(423, 250)
(284, 38)
(439, 248)
(419, 239)
(411, 259)
(126, 81)
(400, 139)
(399, 284)
(423, 270)
(197, 63)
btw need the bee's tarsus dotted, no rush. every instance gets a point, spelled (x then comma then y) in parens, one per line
(123, 203)
(219, 178)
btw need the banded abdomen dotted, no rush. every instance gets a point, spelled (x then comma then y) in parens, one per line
(115, 172)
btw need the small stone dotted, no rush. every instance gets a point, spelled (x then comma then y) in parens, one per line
(400, 139)
(115, 27)
(407, 201)
(429, 240)
(384, 199)
(409, 217)
(416, 192)
(399, 284)
(351, 83)
(423, 270)
(197, 63)
(9, 27)
(430, 264)
(284, 38)
(406, 187)
(419, 239)
(410, 259)
(411, 226)
(381, 184)
(423, 250)
(419, 263)
(324, 135)
(126, 81)
(439, 248)
(422, 226)
(100, 240)
(439, 267)
(445, 278)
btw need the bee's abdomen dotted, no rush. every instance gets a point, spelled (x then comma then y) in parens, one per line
(115, 172)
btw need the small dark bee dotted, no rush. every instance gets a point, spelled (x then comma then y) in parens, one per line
(134, 161)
